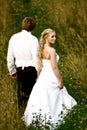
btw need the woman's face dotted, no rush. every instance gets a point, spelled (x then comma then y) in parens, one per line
(51, 38)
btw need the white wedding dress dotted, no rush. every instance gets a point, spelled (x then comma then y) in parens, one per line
(47, 99)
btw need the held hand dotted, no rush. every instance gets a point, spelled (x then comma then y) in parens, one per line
(60, 85)
(14, 76)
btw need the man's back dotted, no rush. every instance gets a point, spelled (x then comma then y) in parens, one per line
(24, 46)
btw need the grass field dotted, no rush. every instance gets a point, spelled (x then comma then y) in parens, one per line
(69, 20)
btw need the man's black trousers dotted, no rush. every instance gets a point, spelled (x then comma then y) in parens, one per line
(26, 78)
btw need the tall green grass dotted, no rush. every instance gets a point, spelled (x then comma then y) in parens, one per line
(69, 20)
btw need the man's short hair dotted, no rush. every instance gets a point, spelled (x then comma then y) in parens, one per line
(28, 24)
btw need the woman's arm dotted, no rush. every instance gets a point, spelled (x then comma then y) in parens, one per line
(55, 68)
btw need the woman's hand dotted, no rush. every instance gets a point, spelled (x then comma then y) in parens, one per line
(60, 85)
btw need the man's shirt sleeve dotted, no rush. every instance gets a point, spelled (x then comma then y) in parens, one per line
(10, 59)
(34, 50)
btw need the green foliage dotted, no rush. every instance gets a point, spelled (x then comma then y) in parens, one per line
(69, 20)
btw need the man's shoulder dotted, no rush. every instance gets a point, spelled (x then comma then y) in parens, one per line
(34, 37)
(15, 35)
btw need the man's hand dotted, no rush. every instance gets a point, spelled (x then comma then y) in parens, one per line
(14, 76)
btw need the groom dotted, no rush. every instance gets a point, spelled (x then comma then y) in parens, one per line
(21, 60)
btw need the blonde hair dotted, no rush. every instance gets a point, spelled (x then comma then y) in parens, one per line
(42, 42)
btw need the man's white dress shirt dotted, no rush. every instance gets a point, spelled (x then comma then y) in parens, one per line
(22, 51)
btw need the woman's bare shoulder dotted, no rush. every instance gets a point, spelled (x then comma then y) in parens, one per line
(52, 50)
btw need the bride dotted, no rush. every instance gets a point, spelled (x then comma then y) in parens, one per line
(49, 98)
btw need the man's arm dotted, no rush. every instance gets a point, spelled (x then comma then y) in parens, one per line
(34, 50)
(11, 60)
